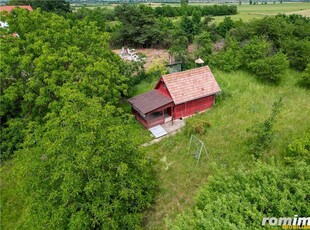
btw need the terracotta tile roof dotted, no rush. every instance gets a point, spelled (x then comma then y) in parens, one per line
(191, 84)
(10, 8)
(149, 101)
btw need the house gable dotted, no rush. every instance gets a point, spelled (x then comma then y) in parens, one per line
(161, 86)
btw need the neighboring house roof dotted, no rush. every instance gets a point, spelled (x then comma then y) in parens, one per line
(10, 8)
(191, 84)
(149, 101)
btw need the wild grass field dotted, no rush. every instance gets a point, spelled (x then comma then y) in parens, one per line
(247, 12)
(248, 102)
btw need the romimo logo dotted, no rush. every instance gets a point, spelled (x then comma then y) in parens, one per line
(288, 222)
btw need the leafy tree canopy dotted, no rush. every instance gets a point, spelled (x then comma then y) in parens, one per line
(56, 6)
(80, 170)
(48, 54)
(74, 164)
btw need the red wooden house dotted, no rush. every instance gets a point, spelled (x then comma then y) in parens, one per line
(175, 96)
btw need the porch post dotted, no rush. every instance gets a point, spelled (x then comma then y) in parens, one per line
(172, 114)
(163, 116)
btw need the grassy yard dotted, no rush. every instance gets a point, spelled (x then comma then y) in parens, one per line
(250, 102)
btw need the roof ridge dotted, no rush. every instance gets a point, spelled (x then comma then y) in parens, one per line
(187, 71)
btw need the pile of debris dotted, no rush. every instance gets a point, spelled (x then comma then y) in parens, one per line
(129, 54)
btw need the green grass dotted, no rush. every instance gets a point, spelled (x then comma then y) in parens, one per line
(144, 86)
(250, 102)
(248, 12)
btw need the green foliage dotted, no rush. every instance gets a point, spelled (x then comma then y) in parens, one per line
(74, 165)
(56, 6)
(306, 76)
(263, 133)
(203, 44)
(34, 70)
(196, 19)
(258, 58)
(226, 25)
(299, 149)
(196, 126)
(241, 200)
(254, 50)
(298, 52)
(271, 68)
(288, 34)
(99, 15)
(274, 29)
(187, 27)
(81, 170)
(140, 27)
(229, 59)
(156, 70)
(215, 10)
(179, 48)
(184, 2)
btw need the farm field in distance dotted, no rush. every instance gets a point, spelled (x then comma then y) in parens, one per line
(247, 12)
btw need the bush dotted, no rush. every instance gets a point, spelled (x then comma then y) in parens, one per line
(241, 200)
(258, 56)
(196, 126)
(306, 76)
(298, 52)
(228, 60)
(271, 68)
(263, 133)
(299, 149)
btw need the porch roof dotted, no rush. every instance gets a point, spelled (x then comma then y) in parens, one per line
(149, 101)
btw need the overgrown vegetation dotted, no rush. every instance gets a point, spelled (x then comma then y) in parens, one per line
(71, 148)
(263, 133)
(70, 163)
(243, 199)
(233, 169)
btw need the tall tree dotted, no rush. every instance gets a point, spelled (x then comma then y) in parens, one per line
(74, 164)
(48, 54)
(187, 26)
(57, 6)
(203, 45)
(80, 170)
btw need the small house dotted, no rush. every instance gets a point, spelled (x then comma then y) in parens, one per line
(175, 96)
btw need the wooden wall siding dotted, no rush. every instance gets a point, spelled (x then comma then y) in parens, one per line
(191, 107)
(163, 89)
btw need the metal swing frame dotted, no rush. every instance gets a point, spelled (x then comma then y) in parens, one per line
(196, 141)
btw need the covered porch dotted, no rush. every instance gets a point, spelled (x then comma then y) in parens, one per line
(152, 108)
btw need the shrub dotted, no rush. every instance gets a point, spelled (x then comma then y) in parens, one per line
(306, 75)
(241, 200)
(263, 133)
(228, 60)
(299, 149)
(271, 68)
(196, 126)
